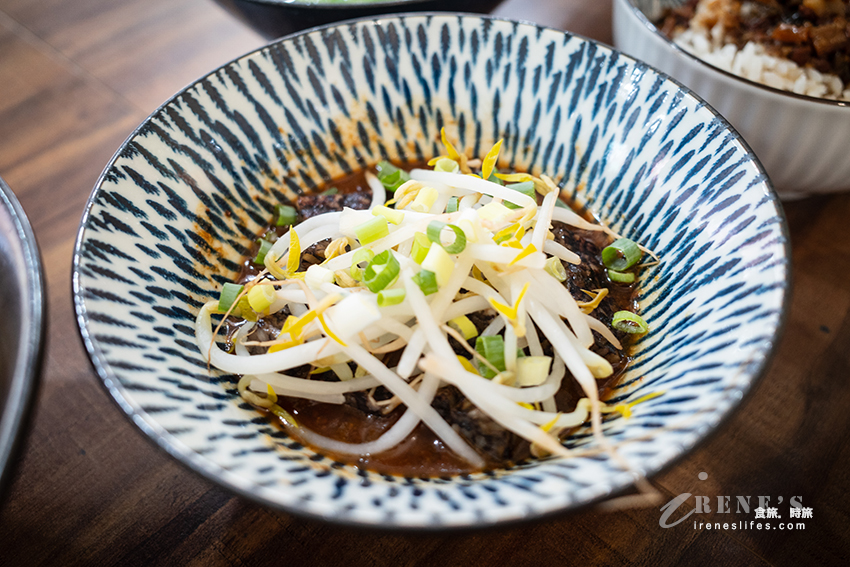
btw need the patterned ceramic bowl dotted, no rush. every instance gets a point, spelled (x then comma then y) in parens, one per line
(175, 209)
(801, 140)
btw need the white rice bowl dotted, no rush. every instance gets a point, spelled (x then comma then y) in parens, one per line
(753, 62)
(801, 139)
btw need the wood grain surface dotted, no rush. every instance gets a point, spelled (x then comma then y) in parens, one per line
(77, 76)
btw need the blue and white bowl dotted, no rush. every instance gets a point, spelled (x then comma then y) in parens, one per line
(180, 202)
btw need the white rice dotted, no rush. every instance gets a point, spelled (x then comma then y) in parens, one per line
(754, 63)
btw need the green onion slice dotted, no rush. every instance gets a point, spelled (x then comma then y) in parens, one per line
(452, 205)
(447, 165)
(261, 297)
(286, 215)
(526, 188)
(621, 255)
(330, 191)
(245, 310)
(372, 230)
(390, 176)
(381, 271)
(421, 244)
(265, 246)
(435, 228)
(360, 255)
(229, 293)
(392, 215)
(493, 349)
(387, 297)
(621, 277)
(427, 281)
(629, 322)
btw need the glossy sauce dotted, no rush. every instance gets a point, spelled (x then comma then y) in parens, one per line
(420, 454)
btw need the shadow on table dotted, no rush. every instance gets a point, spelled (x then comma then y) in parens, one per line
(274, 20)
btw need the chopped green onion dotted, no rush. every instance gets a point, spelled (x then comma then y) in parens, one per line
(229, 293)
(439, 262)
(532, 370)
(265, 246)
(390, 176)
(316, 275)
(452, 205)
(381, 271)
(526, 188)
(493, 349)
(372, 230)
(261, 296)
(621, 255)
(424, 200)
(360, 255)
(427, 281)
(495, 179)
(387, 297)
(435, 228)
(621, 277)
(468, 229)
(629, 322)
(421, 244)
(561, 205)
(464, 326)
(493, 211)
(330, 191)
(245, 310)
(555, 268)
(286, 215)
(391, 215)
(447, 165)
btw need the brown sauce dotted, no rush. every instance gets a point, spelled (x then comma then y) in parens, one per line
(422, 453)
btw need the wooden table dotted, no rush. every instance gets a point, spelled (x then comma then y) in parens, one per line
(77, 77)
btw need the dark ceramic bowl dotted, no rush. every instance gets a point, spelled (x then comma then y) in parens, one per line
(275, 18)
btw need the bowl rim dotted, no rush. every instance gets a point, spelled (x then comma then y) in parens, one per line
(18, 410)
(197, 463)
(337, 6)
(652, 28)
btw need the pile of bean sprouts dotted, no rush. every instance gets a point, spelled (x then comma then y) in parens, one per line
(506, 266)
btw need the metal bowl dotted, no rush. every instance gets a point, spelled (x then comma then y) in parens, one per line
(22, 327)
